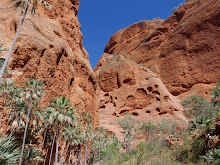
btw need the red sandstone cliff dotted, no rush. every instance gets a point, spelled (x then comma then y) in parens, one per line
(49, 48)
(147, 64)
(183, 50)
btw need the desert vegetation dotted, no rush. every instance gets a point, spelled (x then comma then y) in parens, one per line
(164, 143)
(35, 132)
(33, 135)
(54, 134)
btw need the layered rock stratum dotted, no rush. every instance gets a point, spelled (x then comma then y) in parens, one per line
(49, 48)
(148, 67)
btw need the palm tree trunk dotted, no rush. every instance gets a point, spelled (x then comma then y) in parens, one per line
(10, 130)
(56, 158)
(79, 161)
(62, 153)
(13, 43)
(85, 150)
(51, 152)
(44, 158)
(66, 152)
(25, 131)
(2, 109)
(70, 157)
(44, 139)
(99, 151)
(28, 152)
(6, 128)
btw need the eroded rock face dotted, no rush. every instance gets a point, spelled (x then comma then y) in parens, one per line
(49, 48)
(127, 87)
(183, 50)
(147, 64)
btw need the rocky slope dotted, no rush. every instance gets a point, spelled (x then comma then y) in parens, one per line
(49, 48)
(147, 66)
(127, 87)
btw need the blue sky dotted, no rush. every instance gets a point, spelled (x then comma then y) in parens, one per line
(100, 19)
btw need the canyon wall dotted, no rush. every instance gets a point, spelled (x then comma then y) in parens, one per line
(146, 68)
(183, 50)
(149, 67)
(49, 48)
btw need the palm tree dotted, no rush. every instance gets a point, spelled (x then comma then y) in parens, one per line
(68, 138)
(75, 136)
(47, 129)
(9, 153)
(61, 115)
(44, 125)
(33, 156)
(14, 99)
(64, 138)
(99, 141)
(51, 152)
(86, 121)
(33, 93)
(18, 115)
(5, 90)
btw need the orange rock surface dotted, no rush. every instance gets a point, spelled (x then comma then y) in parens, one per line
(128, 87)
(49, 48)
(147, 67)
(183, 50)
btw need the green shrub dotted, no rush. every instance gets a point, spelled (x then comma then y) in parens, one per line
(213, 156)
(167, 126)
(215, 95)
(148, 129)
(130, 126)
(198, 106)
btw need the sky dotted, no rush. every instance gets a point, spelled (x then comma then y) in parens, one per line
(100, 19)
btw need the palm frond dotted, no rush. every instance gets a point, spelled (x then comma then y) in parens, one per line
(9, 153)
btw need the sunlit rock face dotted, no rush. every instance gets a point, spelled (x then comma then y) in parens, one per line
(127, 87)
(183, 50)
(147, 67)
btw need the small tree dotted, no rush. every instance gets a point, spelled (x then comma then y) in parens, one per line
(33, 93)
(130, 126)
(147, 129)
